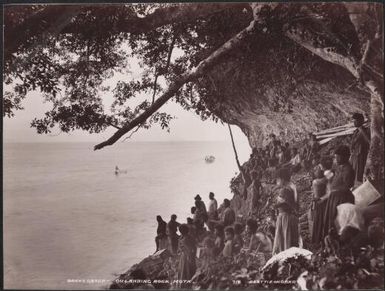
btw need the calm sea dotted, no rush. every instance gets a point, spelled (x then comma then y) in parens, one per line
(67, 216)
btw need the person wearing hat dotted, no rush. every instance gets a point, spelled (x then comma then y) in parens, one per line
(340, 187)
(359, 147)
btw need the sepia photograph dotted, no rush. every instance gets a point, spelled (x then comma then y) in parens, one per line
(194, 146)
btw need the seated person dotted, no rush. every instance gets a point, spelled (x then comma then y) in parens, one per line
(353, 239)
(349, 214)
(228, 250)
(238, 240)
(280, 155)
(259, 242)
(219, 242)
(208, 253)
(287, 152)
(331, 241)
(295, 162)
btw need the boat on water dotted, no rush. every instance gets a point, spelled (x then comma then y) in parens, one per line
(119, 171)
(209, 159)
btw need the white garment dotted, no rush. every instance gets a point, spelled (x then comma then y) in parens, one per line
(213, 206)
(349, 215)
(294, 188)
(296, 160)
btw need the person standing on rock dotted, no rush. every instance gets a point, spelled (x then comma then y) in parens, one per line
(191, 227)
(321, 194)
(254, 190)
(318, 206)
(340, 187)
(187, 251)
(201, 207)
(359, 147)
(213, 207)
(286, 230)
(161, 233)
(228, 214)
(212, 211)
(173, 238)
(199, 216)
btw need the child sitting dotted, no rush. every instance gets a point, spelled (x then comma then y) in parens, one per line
(238, 241)
(229, 237)
(332, 245)
(219, 239)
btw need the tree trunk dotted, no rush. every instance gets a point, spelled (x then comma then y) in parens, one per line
(374, 170)
(234, 148)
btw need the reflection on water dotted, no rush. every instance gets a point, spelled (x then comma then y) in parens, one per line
(68, 216)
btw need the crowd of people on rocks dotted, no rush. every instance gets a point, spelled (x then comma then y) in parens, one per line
(216, 231)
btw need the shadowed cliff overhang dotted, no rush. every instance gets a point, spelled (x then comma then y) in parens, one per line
(272, 85)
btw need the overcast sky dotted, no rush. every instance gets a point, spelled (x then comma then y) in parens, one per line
(186, 127)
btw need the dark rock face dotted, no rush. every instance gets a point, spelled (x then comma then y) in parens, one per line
(275, 86)
(151, 268)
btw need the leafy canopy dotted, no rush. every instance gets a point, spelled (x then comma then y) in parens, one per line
(71, 60)
(71, 69)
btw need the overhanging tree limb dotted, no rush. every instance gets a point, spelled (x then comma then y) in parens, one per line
(183, 12)
(17, 36)
(47, 18)
(327, 53)
(157, 73)
(234, 148)
(189, 76)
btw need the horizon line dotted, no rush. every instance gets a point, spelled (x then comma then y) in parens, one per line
(149, 141)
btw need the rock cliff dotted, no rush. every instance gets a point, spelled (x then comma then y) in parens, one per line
(270, 86)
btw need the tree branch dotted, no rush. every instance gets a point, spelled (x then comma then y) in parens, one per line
(48, 20)
(163, 71)
(54, 18)
(174, 13)
(235, 150)
(113, 125)
(327, 53)
(202, 67)
(154, 87)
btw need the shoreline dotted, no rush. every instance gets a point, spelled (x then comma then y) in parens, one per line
(261, 278)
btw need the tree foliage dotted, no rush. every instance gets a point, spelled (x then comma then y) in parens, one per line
(69, 53)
